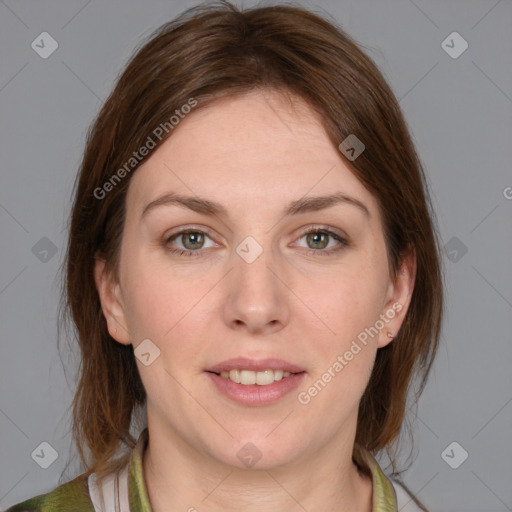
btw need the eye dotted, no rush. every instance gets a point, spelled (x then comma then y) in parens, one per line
(191, 241)
(318, 239)
(320, 242)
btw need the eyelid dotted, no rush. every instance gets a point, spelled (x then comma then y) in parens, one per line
(322, 227)
(303, 231)
(189, 228)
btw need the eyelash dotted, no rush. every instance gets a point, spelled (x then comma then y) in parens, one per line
(315, 252)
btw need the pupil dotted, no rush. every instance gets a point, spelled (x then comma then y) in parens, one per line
(195, 239)
(314, 236)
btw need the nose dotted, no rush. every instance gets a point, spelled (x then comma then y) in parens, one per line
(256, 296)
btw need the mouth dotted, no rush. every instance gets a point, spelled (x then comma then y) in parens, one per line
(253, 382)
(249, 377)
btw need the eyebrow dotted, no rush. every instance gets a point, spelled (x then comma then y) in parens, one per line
(207, 207)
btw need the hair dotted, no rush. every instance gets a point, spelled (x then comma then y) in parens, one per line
(213, 51)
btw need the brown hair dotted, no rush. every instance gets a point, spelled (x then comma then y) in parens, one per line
(217, 50)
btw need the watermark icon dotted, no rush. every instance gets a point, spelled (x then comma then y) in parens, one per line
(44, 250)
(249, 249)
(455, 249)
(45, 455)
(44, 45)
(137, 156)
(146, 352)
(249, 454)
(454, 45)
(351, 147)
(454, 455)
(507, 193)
(304, 397)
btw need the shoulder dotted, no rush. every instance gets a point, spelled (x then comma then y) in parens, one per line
(405, 501)
(73, 495)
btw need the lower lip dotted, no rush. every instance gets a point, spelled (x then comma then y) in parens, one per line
(254, 394)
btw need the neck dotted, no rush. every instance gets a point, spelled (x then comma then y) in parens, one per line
(179, 479)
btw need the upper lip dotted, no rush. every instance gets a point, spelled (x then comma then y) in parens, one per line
(255, 365)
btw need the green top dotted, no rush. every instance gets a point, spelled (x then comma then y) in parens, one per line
(76, 495)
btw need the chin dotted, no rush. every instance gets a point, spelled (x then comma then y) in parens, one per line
(259, 452)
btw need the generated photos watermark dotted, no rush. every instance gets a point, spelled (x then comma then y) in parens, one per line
(137, 156)
(304, 397)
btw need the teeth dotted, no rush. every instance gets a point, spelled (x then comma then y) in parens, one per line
(248, 377)
(265, 377)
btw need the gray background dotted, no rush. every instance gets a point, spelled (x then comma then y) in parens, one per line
(460, 114)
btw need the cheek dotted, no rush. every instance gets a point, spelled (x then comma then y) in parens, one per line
(170, 314)
(348, 301)
(344, 355)
(158, 301)
(352, 303)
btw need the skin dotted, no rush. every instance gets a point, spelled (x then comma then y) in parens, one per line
(253, 154)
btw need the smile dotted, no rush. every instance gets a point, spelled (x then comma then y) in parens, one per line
(255, 382)
(249, 377)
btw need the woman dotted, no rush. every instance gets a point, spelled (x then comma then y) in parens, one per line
(252, 269)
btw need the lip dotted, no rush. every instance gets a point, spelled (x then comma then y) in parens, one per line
(255, 395)
(255, 365)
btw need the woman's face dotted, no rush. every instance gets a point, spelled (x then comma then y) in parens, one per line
(248, 289)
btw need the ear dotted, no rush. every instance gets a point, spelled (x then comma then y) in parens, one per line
(112, 306)
(398, 299)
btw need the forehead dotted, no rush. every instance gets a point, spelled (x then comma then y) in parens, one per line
(249, 150)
